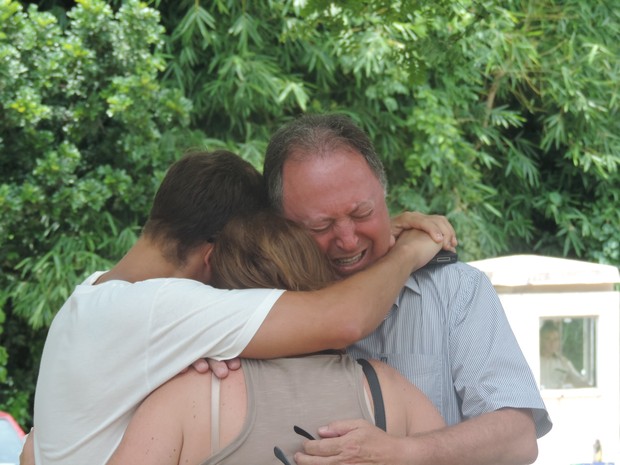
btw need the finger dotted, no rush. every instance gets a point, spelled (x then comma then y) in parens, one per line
(233, 364)
(400, 223)
(323, 447)
(305, 459)
(434, 225)
(201, 366)
(341, 427)
(219, 369)
(439, 229)
(447, 230)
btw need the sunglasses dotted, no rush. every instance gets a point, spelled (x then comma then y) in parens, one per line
(278, 452)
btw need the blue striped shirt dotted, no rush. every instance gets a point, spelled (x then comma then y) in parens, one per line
(448, 334)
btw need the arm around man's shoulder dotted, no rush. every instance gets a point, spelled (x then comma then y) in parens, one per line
(344, 312)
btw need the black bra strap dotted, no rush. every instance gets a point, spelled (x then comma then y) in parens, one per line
(375, 390)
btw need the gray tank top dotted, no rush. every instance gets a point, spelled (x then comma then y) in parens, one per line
(306, 391)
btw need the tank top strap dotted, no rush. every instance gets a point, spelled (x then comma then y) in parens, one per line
(215, 414)
(375, 390)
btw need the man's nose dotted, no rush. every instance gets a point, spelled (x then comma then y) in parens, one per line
(346, 236)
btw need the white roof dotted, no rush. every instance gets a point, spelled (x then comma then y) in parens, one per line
(536, 270)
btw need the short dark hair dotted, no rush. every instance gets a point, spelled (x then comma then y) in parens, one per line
(198, 196)
(265, 250)
(315, 135)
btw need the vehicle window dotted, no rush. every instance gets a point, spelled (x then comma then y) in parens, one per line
(567, 353)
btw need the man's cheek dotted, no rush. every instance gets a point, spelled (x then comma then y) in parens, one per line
(323, 244)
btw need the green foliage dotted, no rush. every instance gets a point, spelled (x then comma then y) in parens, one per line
(556, 67)
(504, 116)
(87, 131)
(229, 60)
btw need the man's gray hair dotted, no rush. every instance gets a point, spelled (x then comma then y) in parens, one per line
(315, 135)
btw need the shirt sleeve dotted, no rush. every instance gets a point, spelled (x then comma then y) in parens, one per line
(489, 369)
(189, 321)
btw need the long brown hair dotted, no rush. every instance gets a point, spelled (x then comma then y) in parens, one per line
(265, 250)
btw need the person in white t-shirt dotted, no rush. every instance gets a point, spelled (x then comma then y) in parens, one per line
(124, 332)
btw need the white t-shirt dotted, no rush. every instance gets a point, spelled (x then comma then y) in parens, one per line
(112, 344)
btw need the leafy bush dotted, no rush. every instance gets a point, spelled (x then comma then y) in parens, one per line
(502, 115)
(87, 131)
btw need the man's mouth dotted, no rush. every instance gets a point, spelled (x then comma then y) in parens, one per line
(348, 261)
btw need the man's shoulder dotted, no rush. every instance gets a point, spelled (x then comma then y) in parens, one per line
(445, 279)
(447, 271)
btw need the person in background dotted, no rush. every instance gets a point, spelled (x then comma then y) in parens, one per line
(556, 371)
(446, 332)
(189, 420)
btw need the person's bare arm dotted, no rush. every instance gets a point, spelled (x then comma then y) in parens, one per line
(503, 437)
(155, 434)
(340, 314)
(27, 455)
(436, 226)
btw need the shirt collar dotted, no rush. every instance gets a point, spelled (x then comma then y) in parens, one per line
(412, 285)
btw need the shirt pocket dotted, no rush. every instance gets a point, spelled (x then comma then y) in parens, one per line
(424, 371)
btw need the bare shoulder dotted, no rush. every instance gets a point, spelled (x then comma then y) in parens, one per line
(155, 433)
(389, 375)
(177, 391)
(408, 410)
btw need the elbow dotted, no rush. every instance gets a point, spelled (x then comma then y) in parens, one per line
(530, 454)
(349, 332)
(530, 446)
(523, 454)
(526, 450)
(520, 442)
